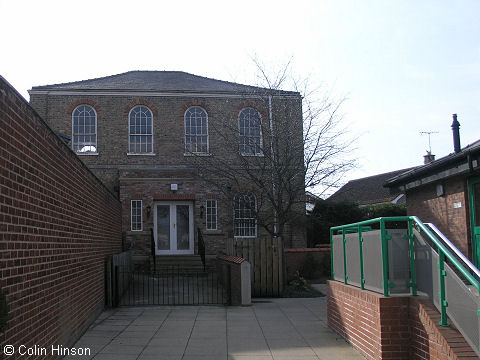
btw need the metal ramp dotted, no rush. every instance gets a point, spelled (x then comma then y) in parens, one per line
(415, 259)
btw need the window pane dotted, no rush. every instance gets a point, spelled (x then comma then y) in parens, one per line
(84, 129)
(195, 128)
(250, 138)
(244, 215)
(136, 215)
(211, 215)
(140, 125)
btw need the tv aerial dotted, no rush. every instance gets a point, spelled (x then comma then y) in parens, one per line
(429, 133)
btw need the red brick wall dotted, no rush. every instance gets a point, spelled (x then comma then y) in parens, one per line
(296, 258)
(453, 222)
(392, 327)
(57, 225)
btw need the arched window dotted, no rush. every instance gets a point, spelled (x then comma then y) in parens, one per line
(84, 129)
(140, 124)
(250, 129)
(244, 215)
(196, 130)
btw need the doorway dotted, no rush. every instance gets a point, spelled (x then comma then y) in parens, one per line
(173, 228)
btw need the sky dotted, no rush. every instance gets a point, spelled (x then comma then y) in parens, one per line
(403, 66)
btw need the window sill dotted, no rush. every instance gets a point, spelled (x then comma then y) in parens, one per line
(86, 153)
(141, 154)
(252, 155)
(197, 154)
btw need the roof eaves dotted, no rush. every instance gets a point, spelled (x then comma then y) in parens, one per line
(434, 165)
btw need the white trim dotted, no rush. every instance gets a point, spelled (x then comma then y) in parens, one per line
(173, 229)
(197, 154)
(96, 132)
(153, 94)
(87, 154)
(128, 122)
(261, 133)
(185, 131)
(256, 224)
(131, 215)
(139, 154)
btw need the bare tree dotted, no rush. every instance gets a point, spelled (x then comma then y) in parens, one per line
(293, 144)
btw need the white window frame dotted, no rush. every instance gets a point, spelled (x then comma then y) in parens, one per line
(132, 215)
(245, 219)
(187, 150)
(215, 208)
(79, 152)
(260, 136)
(130, 134)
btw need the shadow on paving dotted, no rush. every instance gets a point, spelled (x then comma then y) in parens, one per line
(278, 329)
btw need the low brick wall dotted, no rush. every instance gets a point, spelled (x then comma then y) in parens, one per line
(295, 259)
(235, 273)
(58, 223)
(392, 327)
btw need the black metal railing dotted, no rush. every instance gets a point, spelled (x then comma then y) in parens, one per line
(172, 285)
(153, 250)
(201, 247)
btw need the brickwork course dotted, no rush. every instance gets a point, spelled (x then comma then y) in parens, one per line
(392, 327)
(149, 177)
(58, 223)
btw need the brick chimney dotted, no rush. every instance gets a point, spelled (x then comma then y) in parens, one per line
(456, 134)
(427, 159)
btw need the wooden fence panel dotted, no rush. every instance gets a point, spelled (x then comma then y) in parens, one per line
(266, 258)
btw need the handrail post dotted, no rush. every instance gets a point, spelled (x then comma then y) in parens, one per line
(443, 301)
(413, 272)
(383, 236)
(360, 241)
(344, 257)
(332, 273)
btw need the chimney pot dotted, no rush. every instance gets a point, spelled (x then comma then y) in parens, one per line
(456, 134)
(427, 159)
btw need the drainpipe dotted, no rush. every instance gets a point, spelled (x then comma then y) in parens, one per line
(272, 153)
(456, 134)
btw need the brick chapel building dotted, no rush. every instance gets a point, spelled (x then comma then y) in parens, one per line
(146, 136)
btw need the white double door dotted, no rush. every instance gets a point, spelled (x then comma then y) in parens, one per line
(173, 228)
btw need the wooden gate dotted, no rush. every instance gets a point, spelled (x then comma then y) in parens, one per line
(265, 255)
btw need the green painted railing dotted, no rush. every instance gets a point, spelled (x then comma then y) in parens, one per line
(411, 222)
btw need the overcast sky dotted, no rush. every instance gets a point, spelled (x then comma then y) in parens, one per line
(405, 66)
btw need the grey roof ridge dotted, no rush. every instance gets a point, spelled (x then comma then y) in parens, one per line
(53, 86)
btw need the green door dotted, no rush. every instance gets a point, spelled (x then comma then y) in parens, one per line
(474, 195)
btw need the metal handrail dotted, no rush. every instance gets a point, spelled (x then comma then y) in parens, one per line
(467, 262)
(201, 247)
(412, 221)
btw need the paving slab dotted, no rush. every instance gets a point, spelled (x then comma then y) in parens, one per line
(270, 329)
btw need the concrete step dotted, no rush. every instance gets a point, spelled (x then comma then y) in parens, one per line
(182, 263)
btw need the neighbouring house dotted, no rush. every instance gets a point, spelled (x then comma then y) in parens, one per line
(446, 192)
(149, 136)
(370, 190)
(310, 200)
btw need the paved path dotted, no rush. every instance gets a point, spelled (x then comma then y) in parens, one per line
(270, 329)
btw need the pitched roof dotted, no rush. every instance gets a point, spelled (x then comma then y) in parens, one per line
(452, 164)
(156, 81)
(368, 190)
